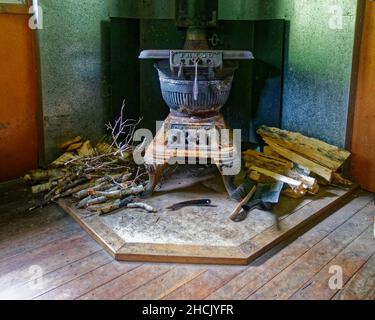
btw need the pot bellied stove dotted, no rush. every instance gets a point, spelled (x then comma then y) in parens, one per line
(195, 84)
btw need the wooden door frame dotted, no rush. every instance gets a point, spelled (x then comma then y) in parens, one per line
(10, 8)
(360, 19)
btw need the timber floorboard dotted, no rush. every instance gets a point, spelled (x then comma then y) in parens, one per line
(45, 255)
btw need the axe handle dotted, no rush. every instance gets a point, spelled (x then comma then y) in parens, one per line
(245, 200)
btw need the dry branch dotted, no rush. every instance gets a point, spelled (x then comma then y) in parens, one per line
(105, 173)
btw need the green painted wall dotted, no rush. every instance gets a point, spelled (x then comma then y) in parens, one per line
(73, 59)
(318, 58)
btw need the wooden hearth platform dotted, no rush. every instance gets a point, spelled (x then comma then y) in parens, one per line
(202, 235)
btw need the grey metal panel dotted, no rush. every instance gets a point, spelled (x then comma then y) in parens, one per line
(125, 67)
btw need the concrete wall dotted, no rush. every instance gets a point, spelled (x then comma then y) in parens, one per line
(318, 58)
(73, 61)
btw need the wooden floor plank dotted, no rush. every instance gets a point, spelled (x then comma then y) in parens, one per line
(31, 221)
(41, 236)
(203, 285)
(74, 266)
(47, 282)
(351, 259)
(89, 281)
(166, 283)
(257, 275)
(16, 203)
(122, 285)
(290, 280)
(362, 285)
(53, 256)
(328, 202)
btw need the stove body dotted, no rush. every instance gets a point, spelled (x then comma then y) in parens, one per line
(195, 83)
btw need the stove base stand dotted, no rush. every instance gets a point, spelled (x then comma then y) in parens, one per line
(155, 173)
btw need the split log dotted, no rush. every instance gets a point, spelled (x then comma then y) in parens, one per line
(259, 159)
(269, 152)
(340, 180)
(86, 149)
(306, 163)
(323, 153)
(309, 183)
(104, 148)
(297, 193)
(278, 177)
(67, 156)
(74, 146)
(66, 144)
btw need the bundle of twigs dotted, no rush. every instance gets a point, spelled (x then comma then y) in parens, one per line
(101, 178)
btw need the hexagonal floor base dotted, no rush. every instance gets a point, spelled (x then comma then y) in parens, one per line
(200, 235)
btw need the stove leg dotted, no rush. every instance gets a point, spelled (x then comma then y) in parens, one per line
(155, 173)
(230, 187)
(229, 184)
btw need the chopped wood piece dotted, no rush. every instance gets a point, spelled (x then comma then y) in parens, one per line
(67, 156)
(269, 152)
(42, 187)
(297, 193)
(144, 206)
(339, 179)
(258, 159)
(109, 207)
(70, 191)
(95, 201)
(91, 190)
(74, 147)
(323, 153)
(277, 177)
(86, 149)
(42, 175)
(309, 183)
(118, 194)
(296, 158)
(66, 144)
(104, 148)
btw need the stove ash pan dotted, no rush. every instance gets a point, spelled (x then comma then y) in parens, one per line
(179, 94)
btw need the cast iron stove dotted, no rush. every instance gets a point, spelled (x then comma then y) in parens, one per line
(195, 83)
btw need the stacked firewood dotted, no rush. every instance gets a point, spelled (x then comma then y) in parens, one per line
(101, 178)
(302, 163)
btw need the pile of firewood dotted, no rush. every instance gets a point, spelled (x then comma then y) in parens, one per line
(302, 163)
(102, 178)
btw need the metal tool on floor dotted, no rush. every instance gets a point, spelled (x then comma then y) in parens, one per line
(236, 212)
(192, 203)
(265, 198)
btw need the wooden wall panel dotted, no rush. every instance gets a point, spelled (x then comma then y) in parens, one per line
(363, 141)
(18, 106)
